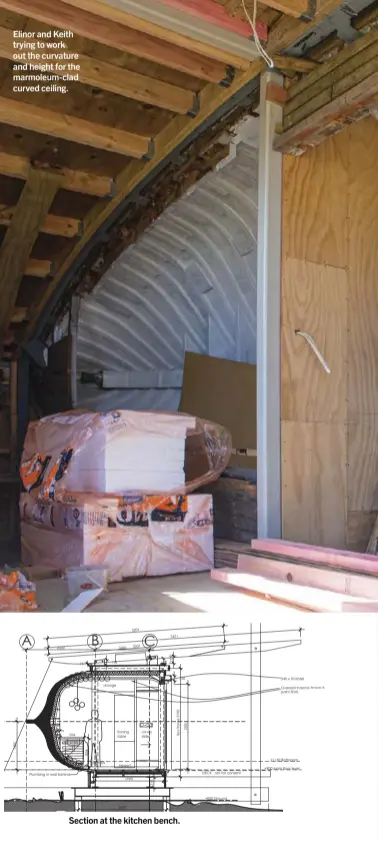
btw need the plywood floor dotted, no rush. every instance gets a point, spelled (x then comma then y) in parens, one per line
(195, 592)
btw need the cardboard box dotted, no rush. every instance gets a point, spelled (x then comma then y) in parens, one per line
(225, 392)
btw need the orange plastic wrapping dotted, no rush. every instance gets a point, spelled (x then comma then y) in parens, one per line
(16, 594)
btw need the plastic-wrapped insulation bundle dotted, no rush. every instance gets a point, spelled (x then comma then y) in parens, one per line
(121, 453)
(114, 490)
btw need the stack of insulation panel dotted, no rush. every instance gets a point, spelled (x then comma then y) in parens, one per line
(102, 490)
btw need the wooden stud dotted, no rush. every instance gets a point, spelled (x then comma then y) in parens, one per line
(310, 598)
(34, 203)
(312, 554)
(106, 31)
(350, 581)
(16, 166)
(59, 226)
(37, 119)
(108, 77)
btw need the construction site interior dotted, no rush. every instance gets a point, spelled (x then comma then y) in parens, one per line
(188, 305)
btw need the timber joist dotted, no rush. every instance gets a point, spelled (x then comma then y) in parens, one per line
(146, 95)
(353, 64)
(334, 94)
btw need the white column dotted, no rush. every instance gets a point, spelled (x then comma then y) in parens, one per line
(269, 313)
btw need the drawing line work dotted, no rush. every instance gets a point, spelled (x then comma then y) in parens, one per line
(150, 719)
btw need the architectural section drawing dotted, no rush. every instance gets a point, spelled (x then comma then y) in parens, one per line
(152, 719)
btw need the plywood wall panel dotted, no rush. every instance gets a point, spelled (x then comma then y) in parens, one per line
(314, 300)
(363, 271)
(363, 464)
(330, 219)
(315, 203)
(314, 482)
(359, 528)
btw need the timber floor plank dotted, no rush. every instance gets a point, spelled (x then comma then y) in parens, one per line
(186, 593)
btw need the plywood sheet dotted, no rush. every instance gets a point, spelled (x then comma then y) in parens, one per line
(363, 270)
(223, 391)
(314, 483)
(359, 528)
(314, 300)
(315, 203)
(363, 464)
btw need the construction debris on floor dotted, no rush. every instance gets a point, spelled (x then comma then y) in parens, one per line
(111, 491)
(16, 592)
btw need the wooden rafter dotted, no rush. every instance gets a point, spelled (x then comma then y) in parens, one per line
(211, 11)
(58, 14)
(126, 83)
(331, 118)
(39, 268)
(59, 226)
(212, 98)
(287, 31)
(292, 8)
(335, 94)
(172, 37)
(37, 119)
(32, 208)
(339, 70)
(17, 166)
(19, 315)
(298, 65)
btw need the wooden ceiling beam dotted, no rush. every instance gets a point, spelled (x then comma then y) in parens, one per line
(212, 12)
(287, 31)
(37, 119)
(31, 210)
(170, 33)
(19, 315)
(58, 14)
(108, 77)
(58, 226)
(292, 8)
(347, 61)
(17, 166)
(298, 65)
(39, 268)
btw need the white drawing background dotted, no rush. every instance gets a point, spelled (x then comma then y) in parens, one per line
(328, 728)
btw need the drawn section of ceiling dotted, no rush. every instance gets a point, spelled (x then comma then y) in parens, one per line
(189, 283)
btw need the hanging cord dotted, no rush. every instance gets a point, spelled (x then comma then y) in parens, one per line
(252, 22)
(315, 348)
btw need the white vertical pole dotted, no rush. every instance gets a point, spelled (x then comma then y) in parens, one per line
(269, 313)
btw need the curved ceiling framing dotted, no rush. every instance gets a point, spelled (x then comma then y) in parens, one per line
(72, 165)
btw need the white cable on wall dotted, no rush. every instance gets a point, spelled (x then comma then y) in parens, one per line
(252, 22)
(315, 348)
